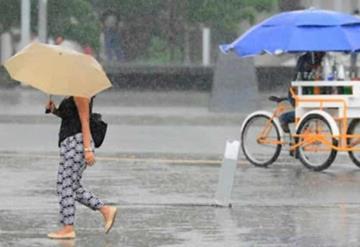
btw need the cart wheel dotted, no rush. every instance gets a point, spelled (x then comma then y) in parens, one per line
(260, 140)
(315, 136)
(353, 129)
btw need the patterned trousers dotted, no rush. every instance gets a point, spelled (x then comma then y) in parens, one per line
(69, 189)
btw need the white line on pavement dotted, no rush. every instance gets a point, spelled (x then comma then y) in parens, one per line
(126, 159)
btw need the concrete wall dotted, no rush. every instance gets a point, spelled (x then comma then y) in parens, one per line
(197, 78)
(179, 78)
(161, 77)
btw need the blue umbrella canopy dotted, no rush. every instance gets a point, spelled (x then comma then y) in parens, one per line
(300, 31)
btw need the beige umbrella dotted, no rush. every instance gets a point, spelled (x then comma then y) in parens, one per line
(57, 70)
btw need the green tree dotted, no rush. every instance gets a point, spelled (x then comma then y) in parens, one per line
(74, 19)
(10, 14)
(173, 20)
(287, 5)
(223, 17)
(226, 13)
(145, 21)
(141, 20)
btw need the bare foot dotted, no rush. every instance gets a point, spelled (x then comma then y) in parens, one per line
(105, 211)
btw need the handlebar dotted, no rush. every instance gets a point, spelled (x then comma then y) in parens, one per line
(278, 99)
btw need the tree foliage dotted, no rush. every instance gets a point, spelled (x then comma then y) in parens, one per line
(144, 22)
(225, 13)
(287, 5)
(10, 14)
(73, 19)
(169, 19)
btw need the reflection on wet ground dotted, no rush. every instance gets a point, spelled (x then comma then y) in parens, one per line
(169, 205)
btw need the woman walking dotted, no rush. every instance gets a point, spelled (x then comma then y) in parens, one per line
(76, 153)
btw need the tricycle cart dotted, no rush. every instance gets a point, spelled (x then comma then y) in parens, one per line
(324, 125)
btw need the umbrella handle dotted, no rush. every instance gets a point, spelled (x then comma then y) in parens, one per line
(47, 110)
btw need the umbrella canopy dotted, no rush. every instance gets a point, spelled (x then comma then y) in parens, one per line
(300, 31)
(57, 70)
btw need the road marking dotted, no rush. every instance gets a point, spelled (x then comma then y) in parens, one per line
(125, 159)
(151, 160)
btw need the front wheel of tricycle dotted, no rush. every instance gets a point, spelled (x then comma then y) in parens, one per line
(354, 142)
(260, 140)
(315, 141)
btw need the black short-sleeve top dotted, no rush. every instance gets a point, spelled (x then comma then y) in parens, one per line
(70, 120)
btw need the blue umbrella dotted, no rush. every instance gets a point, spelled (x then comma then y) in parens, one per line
(300, 31)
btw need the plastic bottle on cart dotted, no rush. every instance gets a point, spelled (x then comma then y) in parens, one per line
(331, 90)
(330, 77)
(326, 68)
(307, 77)
(341, 72)
(326, 75)
(340, 77)
(311, 78)
(334, 90)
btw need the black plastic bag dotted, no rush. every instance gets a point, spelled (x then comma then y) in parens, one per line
(98, 129)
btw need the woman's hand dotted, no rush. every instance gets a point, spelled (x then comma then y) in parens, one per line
(50, 106)
(89, 158)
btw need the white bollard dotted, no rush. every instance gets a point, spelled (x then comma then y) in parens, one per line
(227, 174)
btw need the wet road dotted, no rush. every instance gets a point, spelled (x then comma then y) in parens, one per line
(163, 176)
(164, 204)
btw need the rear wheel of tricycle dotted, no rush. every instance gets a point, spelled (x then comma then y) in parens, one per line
(316, 140)
(354, 129)
(260, 140)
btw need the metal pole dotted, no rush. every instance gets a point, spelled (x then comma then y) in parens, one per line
(6, 46)
(25, 22)
(206, 46)
(187, 59)
(42, 21)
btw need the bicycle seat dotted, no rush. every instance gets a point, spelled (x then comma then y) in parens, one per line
(277, 99)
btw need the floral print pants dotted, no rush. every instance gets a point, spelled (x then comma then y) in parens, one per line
(69, 189)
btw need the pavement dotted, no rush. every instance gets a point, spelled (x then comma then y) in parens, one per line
(162, 175)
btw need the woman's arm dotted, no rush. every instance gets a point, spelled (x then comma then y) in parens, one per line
(82, 105)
